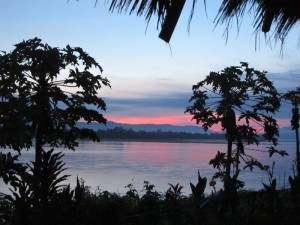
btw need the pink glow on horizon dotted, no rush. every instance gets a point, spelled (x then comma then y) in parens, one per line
(183, 120)
(281, 123)
(216, 128)
(284, 122)
(173, 120)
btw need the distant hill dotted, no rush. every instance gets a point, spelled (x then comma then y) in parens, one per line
(285, 132)
(143, 127)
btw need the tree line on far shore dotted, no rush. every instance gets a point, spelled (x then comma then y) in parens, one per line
(122, 133)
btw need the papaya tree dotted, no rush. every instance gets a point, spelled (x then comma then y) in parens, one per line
(241, 100)
(294, 97)
(44, 91)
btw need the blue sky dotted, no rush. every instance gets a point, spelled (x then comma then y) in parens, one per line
(151, 80)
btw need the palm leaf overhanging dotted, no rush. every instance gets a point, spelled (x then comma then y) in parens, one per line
(279, 14)
(167, 11)
(142, 7)
(282, 15)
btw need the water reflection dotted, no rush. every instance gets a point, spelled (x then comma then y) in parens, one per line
(112, 165)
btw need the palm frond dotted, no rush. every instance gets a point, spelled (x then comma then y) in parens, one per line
(282, 15)
(146, 8)
(167, 12)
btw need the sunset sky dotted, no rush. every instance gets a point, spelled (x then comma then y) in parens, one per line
(151, 80)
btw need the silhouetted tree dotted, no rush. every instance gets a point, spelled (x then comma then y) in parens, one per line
(294, 97)
(44, 91)
(242, 99)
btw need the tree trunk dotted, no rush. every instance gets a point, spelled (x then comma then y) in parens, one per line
(295, 126)
(230, 129)
(229, 158)
(43, 107)
(38, 150)
(237, 159)
(297, 151)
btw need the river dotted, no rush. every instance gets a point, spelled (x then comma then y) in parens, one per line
(111, 165)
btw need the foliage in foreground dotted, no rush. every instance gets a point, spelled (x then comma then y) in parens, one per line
(58, 204)
(79, 206)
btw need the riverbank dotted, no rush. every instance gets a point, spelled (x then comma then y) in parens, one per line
(164, 140)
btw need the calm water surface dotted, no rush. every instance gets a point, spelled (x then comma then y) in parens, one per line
(112, 165)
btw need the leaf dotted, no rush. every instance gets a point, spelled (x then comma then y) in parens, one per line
(272, 151)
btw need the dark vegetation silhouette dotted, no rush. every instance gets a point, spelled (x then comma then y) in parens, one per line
(242, 100)
(33, 103)
(129, 134)
(275, 17)
(39, 193)
(293, 96)
(38, 108)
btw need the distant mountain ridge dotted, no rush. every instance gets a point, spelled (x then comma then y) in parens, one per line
(285, 132)
(143, 127)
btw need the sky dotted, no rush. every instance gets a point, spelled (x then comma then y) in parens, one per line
(151, 81)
